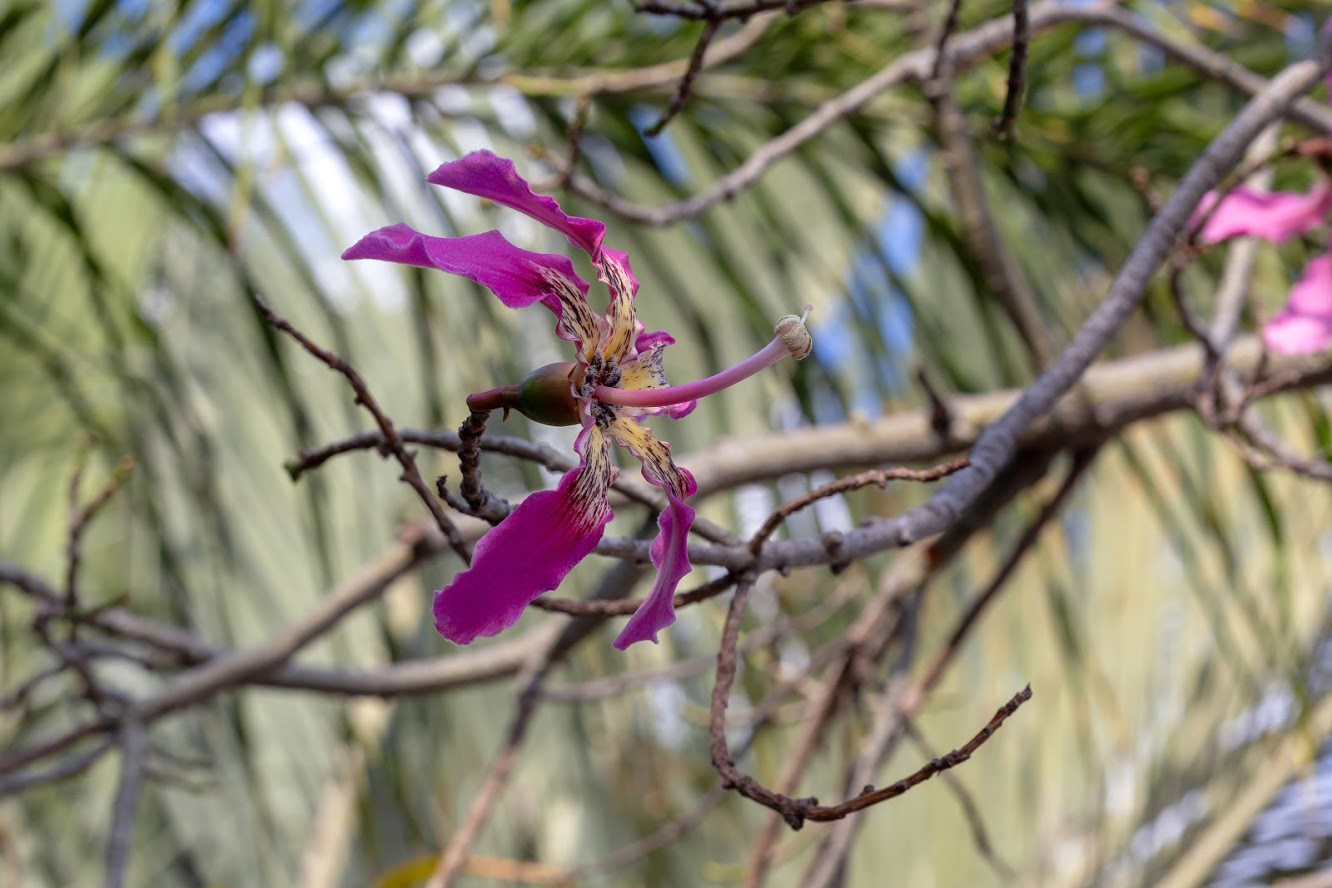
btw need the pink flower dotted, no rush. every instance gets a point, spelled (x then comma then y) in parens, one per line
(616, 378)
(1305, 324)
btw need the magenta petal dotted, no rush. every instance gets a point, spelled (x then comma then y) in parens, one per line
(670, 554)
(1305, 325)
(1312, 293)
(526, 554)
(1275, 217)
(517, 276)
(680, 411)
(648, 341)
(495, 178)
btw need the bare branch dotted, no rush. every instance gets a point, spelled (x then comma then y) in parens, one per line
(533, 451)
(199, 684)
(997, 443)
(949, 25)
(393, 440)
(747, 8)
(876, 477)
(877, 621)
(796, 811)
(964, 49)
(56, 745)
(72, 766)
(82, 516)
(1002, 277)
(1017, 69)
(682, 91)
(1276, 453)
(133, 751)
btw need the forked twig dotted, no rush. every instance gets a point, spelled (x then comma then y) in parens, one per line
(796, 811)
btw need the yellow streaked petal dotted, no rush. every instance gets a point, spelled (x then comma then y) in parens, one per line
(577, 322)
(623, 321)
(589, 490)
(655, 454)
(645, 371)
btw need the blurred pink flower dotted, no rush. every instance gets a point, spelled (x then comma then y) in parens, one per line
(616, 378)
(1305, 324)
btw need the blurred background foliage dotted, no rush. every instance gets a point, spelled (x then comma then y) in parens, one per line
(163, 162)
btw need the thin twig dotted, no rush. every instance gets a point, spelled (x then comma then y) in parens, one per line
(54, 746)
(891, 725)
(393, 441)
(1017, 68)
(942, 415)
(1082, 461)
(743, 10)
(970, 810)
(627, 606)
(455, 855)
(620, 80)
(872, 627)
(830, 858)
(520, 448)
(567, 167)
(133, 751)
(877, 477)
(963, 49)
(77, 522)
(682, 91)
(796, 811)
(1277, 453)
(1000, 273)
(72, 766)
(870, 796)
(946, 29)
(82, 516)
(20, 695)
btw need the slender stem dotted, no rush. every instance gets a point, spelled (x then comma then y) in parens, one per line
(503, 398)
(677, 394)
